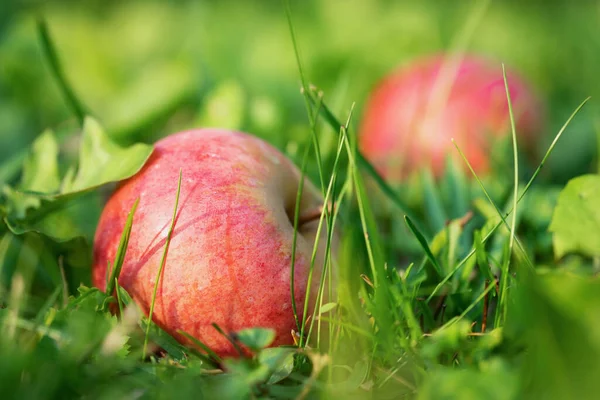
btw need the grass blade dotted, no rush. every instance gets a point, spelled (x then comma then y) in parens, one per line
(229, 338)
(295, 235)
(213, 358)
(504, 281)
(498, 211)
(162, 266)
(415, 231)
(529, 183)
(365, 164)
(330, 194)
(121, 250)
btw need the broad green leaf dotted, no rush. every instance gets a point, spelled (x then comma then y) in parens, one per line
(40, 168)
(57, 218)
(17, 203)
(102, 161)
(256, 338)
(576, 219)
(38, 206)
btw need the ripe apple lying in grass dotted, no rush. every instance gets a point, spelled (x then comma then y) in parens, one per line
(412, 115)
(229, 258)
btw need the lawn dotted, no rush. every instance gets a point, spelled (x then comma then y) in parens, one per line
(467, 284)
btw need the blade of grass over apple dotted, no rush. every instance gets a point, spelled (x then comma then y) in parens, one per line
(365, 164)
(211, 357)
(296, 222)
(504, 287)
(162, 265)
(529, 183)
(313, 259)
(229, 338)
(330, 197)
(337, 199)
(312, 115)
(49, 50)
(117, 264)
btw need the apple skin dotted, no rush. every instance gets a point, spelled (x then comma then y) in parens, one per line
(229, 258)
(411, 116)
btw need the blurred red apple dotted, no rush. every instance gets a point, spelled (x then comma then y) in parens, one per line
(229, 258)
(412, 115)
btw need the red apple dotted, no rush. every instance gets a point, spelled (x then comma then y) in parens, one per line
(229, 259)
(412, 115)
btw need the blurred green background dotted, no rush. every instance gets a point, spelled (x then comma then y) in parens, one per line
(146, 69)
(149, 68)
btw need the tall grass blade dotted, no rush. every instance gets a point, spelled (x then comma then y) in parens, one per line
(117, 264)
(162, 266)
(504, 282)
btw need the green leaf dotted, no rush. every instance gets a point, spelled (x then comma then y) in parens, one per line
(56, 218)
(102, 161)
(256, 338)
(325, 308)
(40, 168)
(576, 219)
(280, 360)
(37, 206)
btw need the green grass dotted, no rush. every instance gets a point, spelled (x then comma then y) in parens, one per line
(482, 287)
